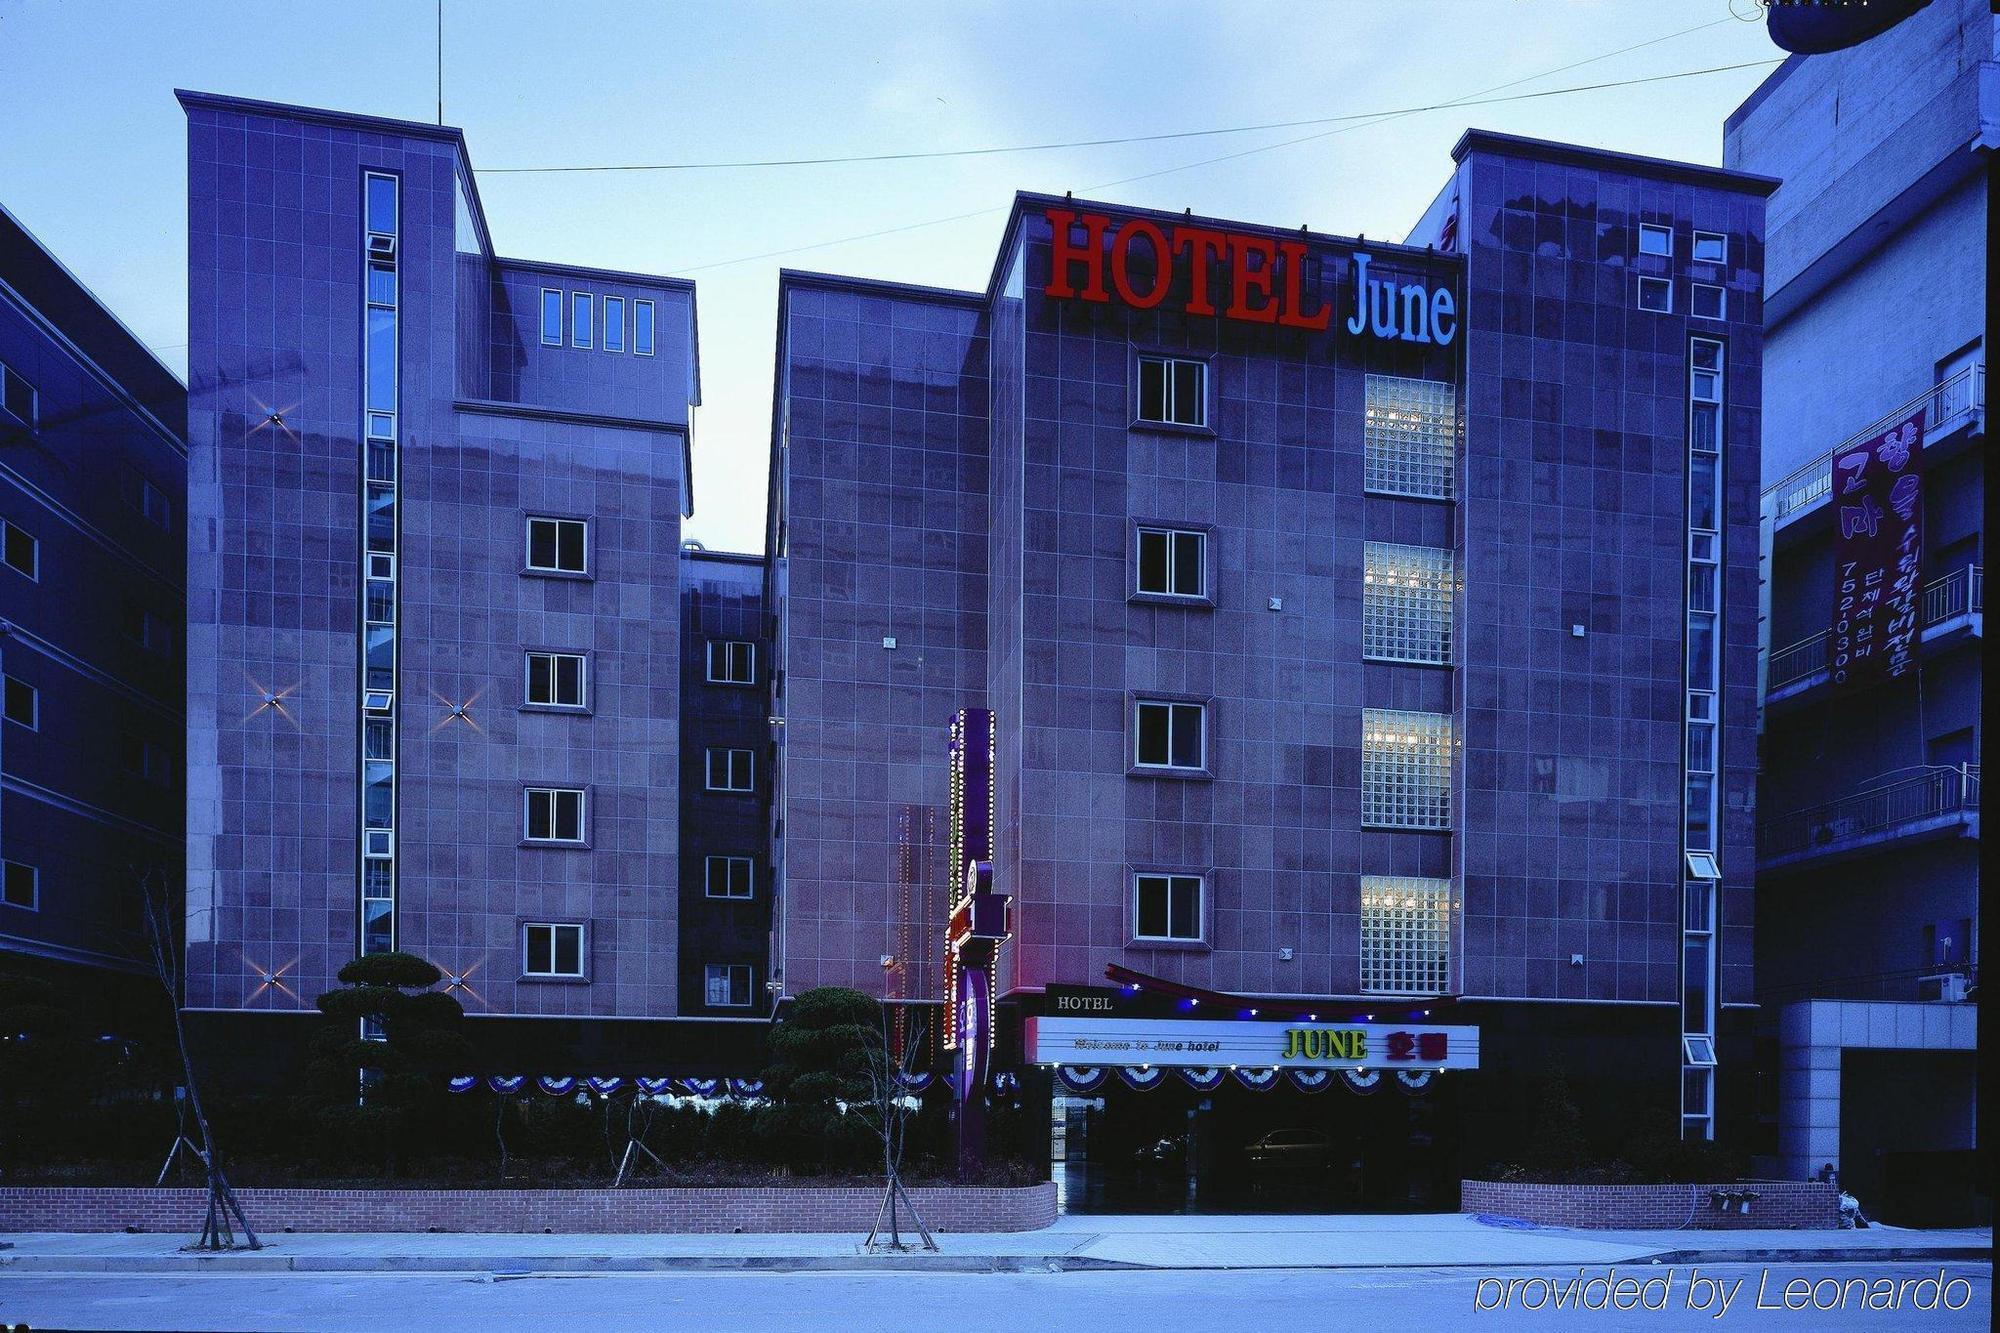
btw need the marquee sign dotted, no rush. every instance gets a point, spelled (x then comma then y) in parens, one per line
(1262, 278)
(1124, 1042)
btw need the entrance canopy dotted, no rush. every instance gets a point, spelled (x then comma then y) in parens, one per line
(1227, 1043)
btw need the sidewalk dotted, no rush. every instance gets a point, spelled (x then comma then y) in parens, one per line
(1073, 1243)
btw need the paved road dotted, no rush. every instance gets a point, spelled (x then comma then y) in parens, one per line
(994, 1303)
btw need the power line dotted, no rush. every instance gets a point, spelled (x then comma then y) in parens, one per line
(932, 154)
(1375, 118)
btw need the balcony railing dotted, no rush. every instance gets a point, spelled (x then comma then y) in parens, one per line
(1948, 405)
(1937, 982)
(1894, 807)
(1958, 593)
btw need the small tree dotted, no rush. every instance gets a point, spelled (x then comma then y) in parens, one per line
(385, 1056)
(217, 1232)
(820, 1069)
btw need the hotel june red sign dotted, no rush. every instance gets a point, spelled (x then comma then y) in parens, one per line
(1265, 282)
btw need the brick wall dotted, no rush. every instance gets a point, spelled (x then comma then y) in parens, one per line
(609, 1211)
(1780, 1205)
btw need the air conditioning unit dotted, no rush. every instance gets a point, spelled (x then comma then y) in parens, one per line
(1949, 987)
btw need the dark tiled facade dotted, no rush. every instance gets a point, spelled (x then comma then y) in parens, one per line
(493, 427)
(725, 865)
(1007, 561)
(93, 491)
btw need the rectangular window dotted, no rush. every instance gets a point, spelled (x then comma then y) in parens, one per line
(614, 323)
(1655, 239)
(24, 704)
(731, 770)
(558, 545)
(729, 876)
(1711, 247)
(1405, 935)
(579, 319)
(554, 814)
(148, 500)
(381, 205)
(1167, 907)
(146, 629)
(1405, 769)
(552, 303)
(1173, 390)
(19, 398)
(732, 662)
(1410, 437)
(23, 552)
(1173, 562)
(144, 759)
(1694, 983)
(727, 985)
(642, 328)
(22, 887)
(551, 950)
(1406, 603)
(1656, 295)
(1170, 735)
(1705, 301)
(555, 680)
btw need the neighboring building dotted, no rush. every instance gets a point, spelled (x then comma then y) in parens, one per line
(93, 485)
(1868, 850)
(435, 601)
(725, 743)
(1397, 665)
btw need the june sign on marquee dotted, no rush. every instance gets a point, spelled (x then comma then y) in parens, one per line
(1264, 282)
(1291, 1045)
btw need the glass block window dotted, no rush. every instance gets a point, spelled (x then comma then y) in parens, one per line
(1411, 437)
(1406, 603)
(1405, 769)
(1405, 935)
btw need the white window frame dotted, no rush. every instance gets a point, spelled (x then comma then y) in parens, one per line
(729, 661)
(582, 332)
(34, 722)
(726, 974)
(33, 421)
(582, 661)
(1139, 707)
(650, 323)
(1171, 879)
(1171, 536)
(729, 754)
(528, 795)
(7, 529)
(1695, 289)
(1170, 407)
(605, 323)
(561, 309)
(528, 555)
(1694, 246)
(1647, 229)
(729, 865)
(528, 969)
(34, 886)
(1657, 284)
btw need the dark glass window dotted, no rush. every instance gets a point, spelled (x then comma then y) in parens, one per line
(729, 876)
(614, 323)
(22, 886)
(731, 770)
(19, 397)
(552, 950)
(1168, 907)
(1170, 735)
(555, 680)
(1173, 390)
(727, 985)
(382, 205)
(23, 552)
(579, 319)
(555, 814)
(732, 662)
(642, 328)
(557, 544)
(1173, 562)
(23, 704)
(1657, 295)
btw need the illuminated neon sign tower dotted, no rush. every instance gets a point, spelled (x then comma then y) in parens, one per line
(975, 929)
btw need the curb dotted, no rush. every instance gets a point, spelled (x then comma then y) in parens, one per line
(513, 1268)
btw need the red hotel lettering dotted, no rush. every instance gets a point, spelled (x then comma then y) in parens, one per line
(1253, 291)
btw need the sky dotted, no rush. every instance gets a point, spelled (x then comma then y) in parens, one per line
(93, 148)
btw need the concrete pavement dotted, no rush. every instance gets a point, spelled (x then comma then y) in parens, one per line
(1073, 1243)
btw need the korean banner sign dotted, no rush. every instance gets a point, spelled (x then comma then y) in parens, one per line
(1878, 555)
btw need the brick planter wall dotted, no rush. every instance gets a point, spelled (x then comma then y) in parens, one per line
(1780, 1205)
(673, 1211)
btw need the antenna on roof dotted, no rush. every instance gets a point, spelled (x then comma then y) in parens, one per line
(1069, 194)
(440, 60)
